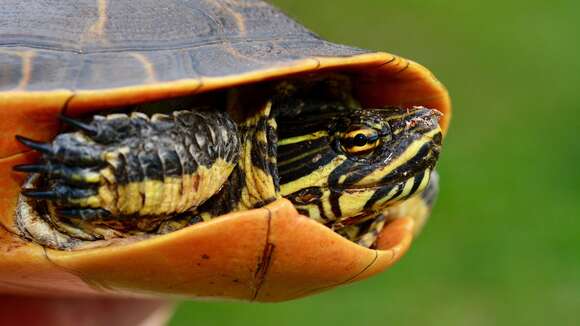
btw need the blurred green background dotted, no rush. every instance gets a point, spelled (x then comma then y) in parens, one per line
(503, 244)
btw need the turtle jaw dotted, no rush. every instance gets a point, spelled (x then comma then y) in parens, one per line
(358, 203)
(410, 178)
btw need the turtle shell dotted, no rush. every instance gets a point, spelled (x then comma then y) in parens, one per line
(98, 55)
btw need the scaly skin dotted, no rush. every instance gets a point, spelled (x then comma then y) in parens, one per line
(131, 172)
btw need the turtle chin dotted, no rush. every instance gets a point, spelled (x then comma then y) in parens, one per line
(357, 203)
(394, 192)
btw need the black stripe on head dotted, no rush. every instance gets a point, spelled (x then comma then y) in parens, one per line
(290, 151)
(416, 183)
(410, 166)
(382, 192)
(308, 196)
(305, 196)
(302, 211)
(304, 157)
(305, 166)
(333, 182)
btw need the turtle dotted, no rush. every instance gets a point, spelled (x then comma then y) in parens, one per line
(209, 149)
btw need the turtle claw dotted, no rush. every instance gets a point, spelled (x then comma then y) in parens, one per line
(88, 129)
(84, 213)
(72, 175)
(38, 146)
(41, 195)
(62, 194)
(31, 168)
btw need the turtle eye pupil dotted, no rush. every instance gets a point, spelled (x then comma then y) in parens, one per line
(360, 140)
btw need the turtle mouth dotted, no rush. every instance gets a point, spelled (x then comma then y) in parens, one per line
(414, 177)
(379, 196)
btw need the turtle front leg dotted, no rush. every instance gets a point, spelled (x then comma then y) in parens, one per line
(131, 171)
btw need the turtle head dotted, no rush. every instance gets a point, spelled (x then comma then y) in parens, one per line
(358, 162)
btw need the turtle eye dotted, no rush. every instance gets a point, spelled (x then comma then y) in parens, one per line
(360, 141)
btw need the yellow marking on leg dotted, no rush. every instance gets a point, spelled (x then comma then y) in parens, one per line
(130, 201)
(92, 201)
(172, 186)
(259, 184)
(185, 187)
(260, 136)
(152, 191)
(108, 196)
(164, 198)
(194, 189)
(206, 184)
